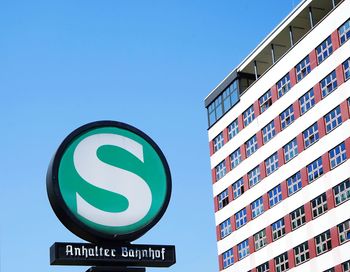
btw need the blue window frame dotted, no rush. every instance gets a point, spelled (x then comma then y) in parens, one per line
(283, 86)
(215, 110)
(337, 155)
(344, 32)
(232, 129)
(329, 84)
(241, 218)
(333, 119)
(235, 158)
(324, 50)
(223, 199)
(275, 195)
(294, 183)
(220, 170)
(314, 170)
(268, 132)
(271, 164)
(243, 249)
(265, 101)
(251, 145)
(218, 142)
(225, 228)
(248, 116)
(238, 188)
(303, 68)
(290, 150)
(254, 176)
(257, 207)
(307, 101)
(278, 229)
(346, 67)
(227, 258)
(310, 135)
(287, 117)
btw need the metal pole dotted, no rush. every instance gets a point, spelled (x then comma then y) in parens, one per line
(256, 69)
(291, 36)
(311, 17)
(273, 54)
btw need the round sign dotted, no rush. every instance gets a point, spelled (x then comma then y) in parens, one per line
(109, 181)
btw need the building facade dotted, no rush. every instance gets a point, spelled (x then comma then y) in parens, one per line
(279, 137)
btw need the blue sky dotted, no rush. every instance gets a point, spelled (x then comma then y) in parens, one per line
(147, 63)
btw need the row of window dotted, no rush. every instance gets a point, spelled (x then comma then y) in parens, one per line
(319, 206)
(306, 102)
(230, 96)
(315, 169)
(301, 253)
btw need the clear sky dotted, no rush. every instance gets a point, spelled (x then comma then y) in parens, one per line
(147, 63)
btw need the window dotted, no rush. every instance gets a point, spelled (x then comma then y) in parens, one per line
(257, 207)
(344, 32)
(251, 145)
(238, 188)
(215, 110)
(329, 270)
(328, 84)
(283, 86)
(223, 199)
(275, 195)
(243, 249)
(319, 205)
(225, 228)
(287, 117)
(218, 142)
(344, 231)
(310, 135)
(324, 50)
(268, 132)
(241, 218)
(307, 101)
(235, 158)
(271, 164)
(248, 116)
(281, 262)
(254, 176)
(290, 150)
(341, 192)
(297, 217)
(220, 170)
(278, 229)
(303, 68)
(323, 242)
(337, 155)
(301, 253)
(294, 183)
(314, 170)
(223, 103)
(346, 67)
(260, 239)
(227, 258)
(232, 129)
(346, 266)
(265, 101)
(333, 119)
(263, 267)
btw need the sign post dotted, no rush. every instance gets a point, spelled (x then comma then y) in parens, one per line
(109, 183)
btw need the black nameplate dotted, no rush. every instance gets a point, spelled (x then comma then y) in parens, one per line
(121, 255)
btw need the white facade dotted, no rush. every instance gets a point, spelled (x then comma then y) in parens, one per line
(336, 255)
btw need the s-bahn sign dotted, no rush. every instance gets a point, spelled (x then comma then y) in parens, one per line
(109, 183)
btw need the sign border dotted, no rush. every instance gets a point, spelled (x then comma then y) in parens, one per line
(68, 219)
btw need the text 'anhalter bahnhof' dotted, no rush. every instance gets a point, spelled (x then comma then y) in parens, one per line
(279, 135)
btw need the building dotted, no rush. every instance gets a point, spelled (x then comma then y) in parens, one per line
(279, 136)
